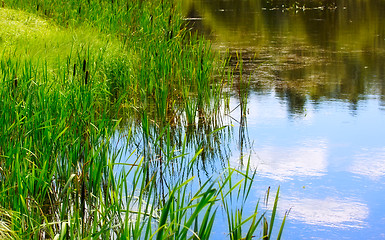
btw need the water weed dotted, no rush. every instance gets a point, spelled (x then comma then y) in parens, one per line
(78, 75)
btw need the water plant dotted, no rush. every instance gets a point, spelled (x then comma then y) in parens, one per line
(80, 78)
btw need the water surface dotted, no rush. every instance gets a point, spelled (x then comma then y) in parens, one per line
(315, 113)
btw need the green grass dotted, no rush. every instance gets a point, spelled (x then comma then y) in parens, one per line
(78, 75)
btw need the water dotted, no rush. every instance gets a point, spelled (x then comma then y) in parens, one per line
(315, 122)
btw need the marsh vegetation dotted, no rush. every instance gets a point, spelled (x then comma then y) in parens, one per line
(100, 104)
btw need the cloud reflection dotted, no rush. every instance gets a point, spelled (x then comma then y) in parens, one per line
(330, 212)
(285, 163)
(369, 163)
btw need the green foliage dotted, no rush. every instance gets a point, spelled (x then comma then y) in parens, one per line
(75, 74)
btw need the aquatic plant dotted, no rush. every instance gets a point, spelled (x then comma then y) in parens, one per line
(74, 77)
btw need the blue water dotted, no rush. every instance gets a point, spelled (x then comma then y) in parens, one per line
(329, 162)
(316, 108)
(315, 114)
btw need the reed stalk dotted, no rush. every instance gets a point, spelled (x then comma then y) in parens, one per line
(81, 74)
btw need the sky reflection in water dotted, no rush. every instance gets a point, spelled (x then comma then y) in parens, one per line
(330, 212)
(315, 112)
(329, 162)
(315, 122)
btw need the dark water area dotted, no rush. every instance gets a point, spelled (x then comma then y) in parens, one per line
(315, 107)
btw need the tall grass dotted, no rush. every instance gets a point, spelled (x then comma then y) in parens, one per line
(76, 74)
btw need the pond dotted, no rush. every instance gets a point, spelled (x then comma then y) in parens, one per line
(315, 112)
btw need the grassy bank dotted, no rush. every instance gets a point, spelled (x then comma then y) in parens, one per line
(76, 74)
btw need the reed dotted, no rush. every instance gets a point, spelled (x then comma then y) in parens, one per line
(78, 78)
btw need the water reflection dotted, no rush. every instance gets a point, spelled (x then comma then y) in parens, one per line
(369, 163)
(315, 105)
(306, 159)
(314, 54)
(313, 75)
(329, 212)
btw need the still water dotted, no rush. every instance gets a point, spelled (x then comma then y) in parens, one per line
(316, 107)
